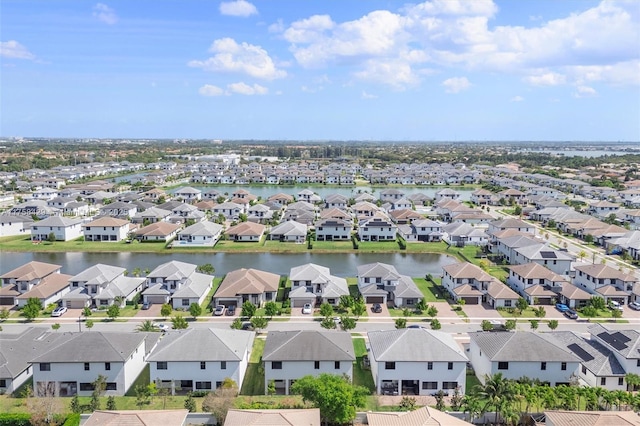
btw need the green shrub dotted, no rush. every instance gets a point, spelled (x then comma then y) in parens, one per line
(15, 419)
(72, 420)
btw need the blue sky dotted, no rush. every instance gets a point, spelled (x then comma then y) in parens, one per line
(321, 70)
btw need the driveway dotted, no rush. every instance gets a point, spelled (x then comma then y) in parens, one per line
(153, 311)
(483, 311)
(383, 314)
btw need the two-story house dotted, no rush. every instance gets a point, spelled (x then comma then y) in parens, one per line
(537, 284)
(333, 230)
(377, 228)
(624, 344)
(25, 278)
(314, 284)
(382, 283)
(106, 229)
(101, 286)
(290, 355)
(63, 228)
(213, 355)
(416, 361)
(605, 281)
(177, 282)
(188, 194)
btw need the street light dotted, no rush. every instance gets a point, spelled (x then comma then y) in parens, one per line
(80, 323)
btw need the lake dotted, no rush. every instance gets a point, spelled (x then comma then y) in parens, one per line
(340, 264)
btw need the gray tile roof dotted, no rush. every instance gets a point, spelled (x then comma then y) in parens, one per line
(209, 344)
(99, 274)
(95, 346)
(17, 350)
(631, 348)
(520, 346)
(308, 345)
(414, 344)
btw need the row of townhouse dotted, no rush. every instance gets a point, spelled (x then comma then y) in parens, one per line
(413, 361)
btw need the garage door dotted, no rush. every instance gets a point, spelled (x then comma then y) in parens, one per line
(7, 301)
(375, 299)
(156, 299)
(470, 300)
(299, 303)
(75, 304)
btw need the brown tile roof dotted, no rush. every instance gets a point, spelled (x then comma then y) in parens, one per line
(31, 270)
(247, 281)
(246, 228)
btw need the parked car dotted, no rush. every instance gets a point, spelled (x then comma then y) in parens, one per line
(635, 306)
(146, 305)
(376, 308)
(247, 326)
(562, 307)
(416, 326)
(615, 305)
(571, 314)
(307, 308)
(161, 326)
(59, 311)
(231, 310)
(219, 310)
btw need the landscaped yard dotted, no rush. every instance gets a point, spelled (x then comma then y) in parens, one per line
(361, 376)
(20, 243)
(254, 377)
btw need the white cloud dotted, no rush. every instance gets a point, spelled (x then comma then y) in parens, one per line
(14, 50)
(456, 84)
(397, 74)
(308, 30)
(245, 89)
(105, 14)
(210, 90)
(240, 8)
(517, 99)
(366, 95)
(546, 79)
(244, 58)
(233, 88)
(276, 27)
(585, 92)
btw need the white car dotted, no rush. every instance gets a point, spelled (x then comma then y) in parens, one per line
(635, 306)
(161, 326)
(307, 309)
(58, 312)
(615, 305)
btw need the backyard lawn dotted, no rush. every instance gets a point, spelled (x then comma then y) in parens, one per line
(254, 377)
(361, 376)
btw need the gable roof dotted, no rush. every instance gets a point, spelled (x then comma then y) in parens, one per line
(414, 344)
(520, 346)
(625, 342)
(247, 281)
(49, 285)
(466, 270)
(593, 355)
(107, 221)
(592, 418)
(377, 269)
(424, 416)
(308, 345)
(58, 221)
(98, 274)
(17, 350)
(273, 417)
(202, 228)
(205, 344)
(290, 227)
(138, 418)
(173, 270)
(97, 346)
(30, 271)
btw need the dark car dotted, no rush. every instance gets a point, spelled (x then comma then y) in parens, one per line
(231, 310)
(146, 305)
(376, 308)
(571, 314)
(247, 326)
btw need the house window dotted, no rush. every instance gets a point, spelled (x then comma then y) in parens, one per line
(429, 385)
(87, 367)
(584, 370)
(638, 363)
(203, 385)
(563, 366)
(107, 366)
(161, 365)
(45, 366)
(336, 365)
(429, 365)
(507, 303)
(389, 365)
(543, 365)
(86, 386)
(603, 381)
(276, 365)
(223, 365)
(620, 381)
(185, 302)
(450, 366)
(111, 386)
(3, 383)
(203, 365)
(503, 365)
(316, 365)
(449, 385)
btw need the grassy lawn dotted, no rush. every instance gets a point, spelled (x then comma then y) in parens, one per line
(471, 382)
(527, 313)
(332, 246)
(378, 246)
(278, 247)
(143, 379)
(19, 243)
(232, 246)
(206, 303)
(254, 377)
(427, 289)
(361, 377)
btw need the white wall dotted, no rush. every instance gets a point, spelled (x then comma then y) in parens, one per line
(297, 369)
(74, 372)
(418, 371)
(190, 370)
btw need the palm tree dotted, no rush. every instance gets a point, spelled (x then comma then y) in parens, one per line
(147, 326)
(472, 405)
(609, 398)
(498, 392)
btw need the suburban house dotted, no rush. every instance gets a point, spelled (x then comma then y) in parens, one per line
(537, 284)
(517, 224)
(244, 285)
(106, 229)
(422, 416)
(605, 281)
(289, 231)
(482, 196)
(23, 279)
(260, 213)
(290, 355)
(229, 210)
(521, 354)
(69, 368)
(465, 281)
(200, 234)
(138, 417)
(624, 345)
(273, 417)
(462, 234)
(158, 231)
(573, 296)
(177, 282)
(416, 361)
(599, 366)
(152, 215)
(64, 229)
(382, 283)
(101, 286)
(16, 352)
(245, 232)
(333, 230)
(377, 228)
(506, 247)
(213, 355)
(421, 230)
(119, 209)
(543, 254)
(602, 208)
(188, 194)
(15, 225)
(50, 290)
(314, 284)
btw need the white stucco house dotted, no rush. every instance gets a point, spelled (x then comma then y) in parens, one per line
(416, 361)
(71, 367)
(177, 282)
(106, 229)
(213, 355)
(201, 234)
(64, 229)
(290, 355)
(311, 283)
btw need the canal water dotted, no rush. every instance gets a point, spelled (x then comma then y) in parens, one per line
(340, 264)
